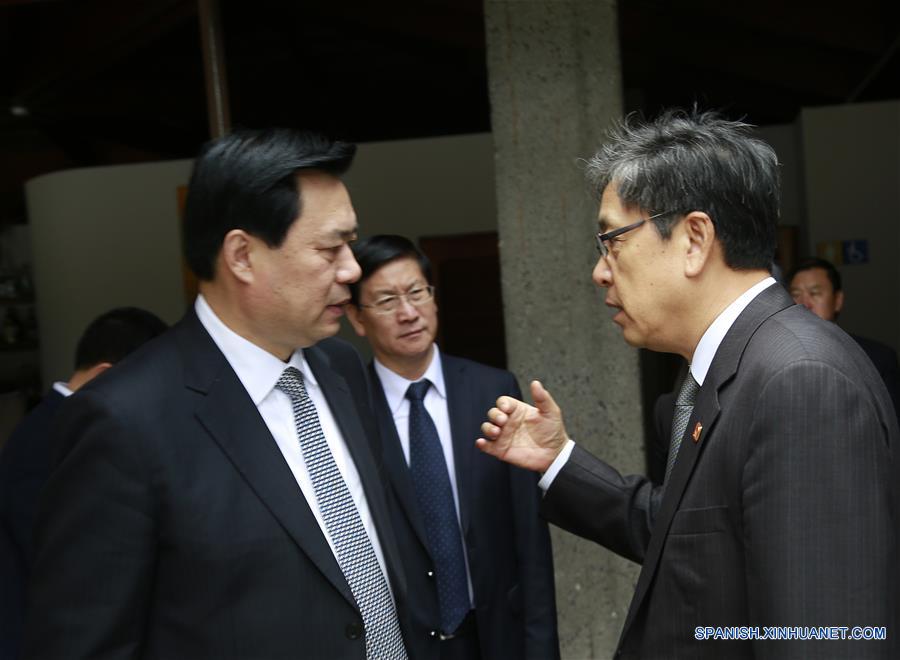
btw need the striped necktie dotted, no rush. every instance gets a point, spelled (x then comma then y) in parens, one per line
(684, 406)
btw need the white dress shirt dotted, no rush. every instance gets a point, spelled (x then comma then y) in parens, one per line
(259, 371)
(395, 387)
(703, 357)
(62, 388)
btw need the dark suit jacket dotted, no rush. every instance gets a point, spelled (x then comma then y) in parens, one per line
(24, 469)
(507, 544)
(885, 360)
(172, 526)
(883, 357)
(782, 513)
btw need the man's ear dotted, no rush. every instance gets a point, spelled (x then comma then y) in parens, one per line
(838, 301)
(236, 254)
(700, 236)
(353, 315)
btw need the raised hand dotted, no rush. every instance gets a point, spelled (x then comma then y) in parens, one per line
(530, 437)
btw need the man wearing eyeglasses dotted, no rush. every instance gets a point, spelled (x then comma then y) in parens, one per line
(477, 555)
(776, 516)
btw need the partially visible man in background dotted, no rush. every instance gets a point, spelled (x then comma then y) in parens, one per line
(26, 458)
(477, 555)
(816, 284)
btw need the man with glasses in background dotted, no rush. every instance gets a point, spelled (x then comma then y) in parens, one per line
(478, 558)
(777, 515)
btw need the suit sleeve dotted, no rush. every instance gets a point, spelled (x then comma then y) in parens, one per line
(96, 541)
(590, 499)
(658, 449)
(820, 525)
(535, 560)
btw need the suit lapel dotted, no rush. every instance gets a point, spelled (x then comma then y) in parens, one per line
(395, 461)
(706, 412)
(228, 414)
(459, 409)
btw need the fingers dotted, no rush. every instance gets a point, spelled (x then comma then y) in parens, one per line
(487, 447)
(497, 416)
(542, 400)
(490, 431)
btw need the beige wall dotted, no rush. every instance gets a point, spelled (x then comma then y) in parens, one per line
(851, 157)
(101, 238)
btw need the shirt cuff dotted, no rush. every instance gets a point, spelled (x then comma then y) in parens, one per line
(557, 465)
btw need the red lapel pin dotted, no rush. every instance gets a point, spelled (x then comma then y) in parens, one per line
(698, 429)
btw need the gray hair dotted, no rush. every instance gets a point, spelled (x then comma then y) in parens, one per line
(683, 162)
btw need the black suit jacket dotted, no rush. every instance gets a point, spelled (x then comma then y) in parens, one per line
(24, 469)
(507, 544)
(172, 526)
(885, 360)
(781, 513)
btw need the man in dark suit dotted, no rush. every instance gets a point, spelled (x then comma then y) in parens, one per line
(816, 284)
(777, 511)
(478, 557)
(25, 460)
(218, 494)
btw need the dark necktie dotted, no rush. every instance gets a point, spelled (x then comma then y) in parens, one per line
(684, 405)
(435, 496)
(355, 554)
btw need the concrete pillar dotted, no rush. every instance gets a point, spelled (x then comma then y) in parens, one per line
(555, 85)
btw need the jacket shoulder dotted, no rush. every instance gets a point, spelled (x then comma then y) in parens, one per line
(473, 367)
(339, 354)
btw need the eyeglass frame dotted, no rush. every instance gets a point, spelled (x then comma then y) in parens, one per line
(603, 238)
(400, 297)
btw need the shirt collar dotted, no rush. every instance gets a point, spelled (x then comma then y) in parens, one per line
(395, 385)
(715, 333)
(256, 368)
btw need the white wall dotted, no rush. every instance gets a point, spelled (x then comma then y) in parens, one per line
(107, 237)
(428, 187)
(852, 178)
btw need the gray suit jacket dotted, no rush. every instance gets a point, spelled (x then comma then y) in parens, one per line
(782, 512)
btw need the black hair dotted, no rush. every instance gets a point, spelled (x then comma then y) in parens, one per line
(815, 262)
(115, 334)
(247, 180)
(683, 162)
(376, 251)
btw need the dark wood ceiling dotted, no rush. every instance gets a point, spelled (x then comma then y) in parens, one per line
(94, 82)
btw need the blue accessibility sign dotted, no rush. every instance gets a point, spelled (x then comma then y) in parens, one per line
(856, 252)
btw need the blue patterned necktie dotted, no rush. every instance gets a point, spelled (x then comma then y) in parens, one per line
(684, 406)
(355, 554)
(435, 495)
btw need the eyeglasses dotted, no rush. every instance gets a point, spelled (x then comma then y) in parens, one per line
(602, 239)
(388, 304)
